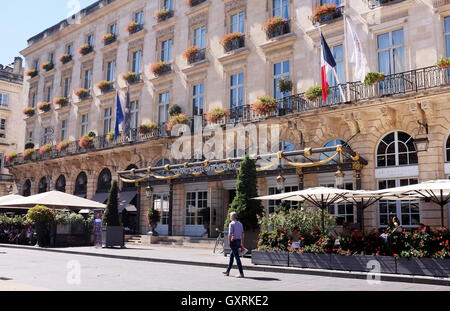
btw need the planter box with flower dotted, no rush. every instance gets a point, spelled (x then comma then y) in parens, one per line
(29, 145)
(28, 154)
(82, 93)
(61, 101)
(11, 157)
(194, 54)
(163, 15)
(110, 137)
(32, 73)
(62, 146)
(46, 149)
(270, 258)
(276, 26)
(176, 120)
(29, 111)
(133, 27)
(105, 86)
(131, 77)
(443, 62)
(373, 77)
(217, 115)
(47, 66)
(148, 128)
(87, 141)
(65, 58)
(265, 105)
(326, 12)
(160, 68)
(109, 38)
(233, 41)
(314, 93)
(85, 49)
(44, 107)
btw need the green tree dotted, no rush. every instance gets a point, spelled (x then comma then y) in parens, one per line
(111, 215)
(243, 204)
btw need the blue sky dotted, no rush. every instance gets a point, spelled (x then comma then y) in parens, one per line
(22, 19)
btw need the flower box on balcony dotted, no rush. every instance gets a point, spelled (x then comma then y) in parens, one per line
(28, 154)
(45, 149)
(325, 12)
(133, 27)
(11, 157)
(61, 101)
(232, 41)
(29, 112)
(86, 141)
(130, 77)
(191, 53)
(82, 93)
(29, 145)
(65, 58)
(192, 3)
(104, 86)
(276, 26)
(314, 93)
(85, 49)
(163, 15)
(108, 38)
(62, 146)
(45, 107)
(216, 115)
(160, 67)
(32, 73)
(47, 66)
(270, 258)
(265, 105)
(443, 62)
(373, 77)
(174, 110)
(148, 128)
(110, 137)
(176, 120)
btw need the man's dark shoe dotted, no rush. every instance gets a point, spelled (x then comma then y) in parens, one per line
(226, 273)
(240, 276)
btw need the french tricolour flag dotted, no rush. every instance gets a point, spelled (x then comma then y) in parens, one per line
(327, 63)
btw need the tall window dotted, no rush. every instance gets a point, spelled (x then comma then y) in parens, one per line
(2, 128)
(137, 59)
(237, 23)
(166, 50)
(396, 148)
(163, 107)
(63, 130)
(66, 90)
(237, 93)
(47, 135)
(391, 52)
(30, 136)
(90, 40)
(344, 211)
(48, 93)
(87, 79)
(51, 57)
(280, 71)
(337, 2)
(36, 65)
(161, 204)
(4, 100)
(281, 8)
(198, 91)
(447, 38)
(33, 100)
(111, 66)
(200, 37)
(107, 120)
(69, 49)
(338, 54)
(113, 29)
(134, 114)
(273, 204)
(195, 202)
(84, 124)
(447, 150)
(168, 5)
(139, 18)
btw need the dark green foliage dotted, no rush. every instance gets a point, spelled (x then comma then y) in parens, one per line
(29, 145)
(154, 217)
(285, 206)
(111, 215)
(174, 110)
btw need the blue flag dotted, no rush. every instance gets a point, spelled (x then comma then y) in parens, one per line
(119, 117)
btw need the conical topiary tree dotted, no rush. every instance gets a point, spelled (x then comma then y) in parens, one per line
(246, 189)
(111, 215)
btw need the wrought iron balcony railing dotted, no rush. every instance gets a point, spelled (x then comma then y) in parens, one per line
(281, 30)
(329, 17)
(201, 55)
(235, 44)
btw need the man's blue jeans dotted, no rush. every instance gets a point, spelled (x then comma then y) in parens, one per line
(235, 247)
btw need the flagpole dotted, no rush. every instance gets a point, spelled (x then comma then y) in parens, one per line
(347, 67)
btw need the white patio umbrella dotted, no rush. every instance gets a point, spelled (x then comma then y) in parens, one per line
(55, 199)
(437, 191)
(8, 198)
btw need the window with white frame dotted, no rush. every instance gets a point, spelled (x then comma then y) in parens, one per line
(139, 18)
(66, 88)
(344, 212)
(134, 115)
(338, 54)
(281, 70)
(84, 124)
(163, 107)
(63, 130)
(30, 136)
(107, 120)
(51, 57)
(166, 50)
(2, 128)
(237, 93)
(200, 37)
(447, 35)
(195, 202)
(69, 49)
(406, 211)
(47, 135)
(87, 78)
(36, 65)
(48, 92)
(447, 150)
(113, 29)
(3, 100)
(237, 22)
(137, 61)
(161, 204)
(168, 5)
(110, 70)
(33, 99)
(90, 40)
(396, 148)
(272, 205)
(198, 92)
(281, 8)
(391, 52)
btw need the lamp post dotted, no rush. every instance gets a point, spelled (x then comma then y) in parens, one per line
(421, 143)
(280, 183)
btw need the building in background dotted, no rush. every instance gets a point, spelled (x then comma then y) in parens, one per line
(12, 130)
(79, 66)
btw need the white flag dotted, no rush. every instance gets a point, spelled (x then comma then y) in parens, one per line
(355, 53)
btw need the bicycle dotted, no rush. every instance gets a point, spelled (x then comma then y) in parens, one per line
(220, 241)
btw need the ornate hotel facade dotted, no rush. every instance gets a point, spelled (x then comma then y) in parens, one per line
(395, 132)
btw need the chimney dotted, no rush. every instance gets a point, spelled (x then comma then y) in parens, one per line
(18, 65)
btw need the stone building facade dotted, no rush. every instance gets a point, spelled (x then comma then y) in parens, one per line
(403, 39)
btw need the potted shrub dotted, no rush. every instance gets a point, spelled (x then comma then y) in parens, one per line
(63, 145)
(162, 15)
(110, 137)
(65, 58)
(104, 86)
(148, 128)
(314, 93)
(86, 142)
(285, 86)
(85, 49)
(191, 53)
(154, 217)
(230, 41)
(276, 26)
(43, 219)
(45, 149)
(174, 110)
(81, 93)
(32, 73)
(130, 77)
(11, 157)
(45, 107)
(60, 101)
(28, 154)
(443, 62)
(132, 27)
(29, 111)
(324, 12)
(265, 105)
(108, 38)
(175, 120)
(373, 77)
(29, 145)
(112, 233)
(159, 68)
(47, 66)
(216, 115)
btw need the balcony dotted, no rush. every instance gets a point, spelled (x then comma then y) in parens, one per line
(377, 3)
(201, 55)
(409, 82)
(329, 17)
(280, 30)
(195, 2)
(235, 44)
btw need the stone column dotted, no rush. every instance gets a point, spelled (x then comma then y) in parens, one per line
(178, 220)
(145, 205)
(216, 204)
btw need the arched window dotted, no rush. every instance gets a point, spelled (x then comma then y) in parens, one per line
(447, 150)
(127, 185)
(61, 184)
(396, 148)
(104, 181)
(43, 186)
(81, 185)
(162, 162)
(26, 192)
(333, 143)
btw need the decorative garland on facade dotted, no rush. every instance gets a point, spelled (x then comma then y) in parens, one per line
(313, 164)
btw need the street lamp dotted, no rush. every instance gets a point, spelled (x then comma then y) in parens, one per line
(280, 183)
(148, 191)
(421, 143)
(339, 176)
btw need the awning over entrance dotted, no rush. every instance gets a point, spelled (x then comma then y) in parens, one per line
(100, 197)
(125, 198)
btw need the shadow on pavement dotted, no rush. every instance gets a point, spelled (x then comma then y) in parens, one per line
(262, 278)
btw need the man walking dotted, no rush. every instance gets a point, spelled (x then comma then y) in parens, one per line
(236, 242)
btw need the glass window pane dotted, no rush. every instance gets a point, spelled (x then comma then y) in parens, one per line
(384, 62)
(383, 41)
(397, 37)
